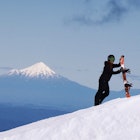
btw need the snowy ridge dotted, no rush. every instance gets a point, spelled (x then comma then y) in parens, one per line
(36, 70)
(118, 119)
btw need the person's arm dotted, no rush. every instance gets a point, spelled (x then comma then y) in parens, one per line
(121, 70)
(116, 72)
(116, 65)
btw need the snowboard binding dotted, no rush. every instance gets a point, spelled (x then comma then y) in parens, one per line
(128, 85)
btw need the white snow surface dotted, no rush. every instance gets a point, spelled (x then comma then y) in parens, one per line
(118, 119)
(36, 70)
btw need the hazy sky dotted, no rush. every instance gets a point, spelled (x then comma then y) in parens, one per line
(72, 37)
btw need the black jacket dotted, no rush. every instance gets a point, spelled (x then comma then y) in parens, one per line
(108, 71)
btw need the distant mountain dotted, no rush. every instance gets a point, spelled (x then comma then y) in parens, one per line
(38, 85)
(37, 92)
(12, 116)
(39, 70)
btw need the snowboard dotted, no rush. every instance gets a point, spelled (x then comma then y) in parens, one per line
(127, 85)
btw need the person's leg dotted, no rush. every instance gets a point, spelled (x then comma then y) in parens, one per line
(99, 94)
(105, 93)
(97, 98)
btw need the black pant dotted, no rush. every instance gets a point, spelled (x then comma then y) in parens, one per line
(103, 91)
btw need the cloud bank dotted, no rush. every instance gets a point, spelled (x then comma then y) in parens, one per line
(98, 12)
(4, 70)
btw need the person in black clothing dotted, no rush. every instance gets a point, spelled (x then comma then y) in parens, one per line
(103, 89)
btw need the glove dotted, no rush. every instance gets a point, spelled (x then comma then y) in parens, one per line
(125, 70)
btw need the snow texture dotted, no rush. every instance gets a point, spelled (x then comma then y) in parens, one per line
(36, 70)
(118, 119)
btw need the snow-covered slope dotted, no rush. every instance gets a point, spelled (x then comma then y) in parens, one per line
(36, 70)
(118, 119)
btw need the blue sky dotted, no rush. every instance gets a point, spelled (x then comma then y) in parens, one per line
(73, 37)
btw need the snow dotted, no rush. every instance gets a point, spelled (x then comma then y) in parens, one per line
(36, 70)
(113, 120)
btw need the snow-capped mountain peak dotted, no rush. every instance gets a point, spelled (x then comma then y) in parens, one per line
(36, 70)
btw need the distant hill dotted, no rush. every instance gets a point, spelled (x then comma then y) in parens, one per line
(37, 92)
(40, 86)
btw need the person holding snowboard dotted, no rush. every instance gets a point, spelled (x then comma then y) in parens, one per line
(103, 89)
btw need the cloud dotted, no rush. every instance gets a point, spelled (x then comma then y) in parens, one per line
(134, 3)
(116, 11)
(5, 68)
(98, 12)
